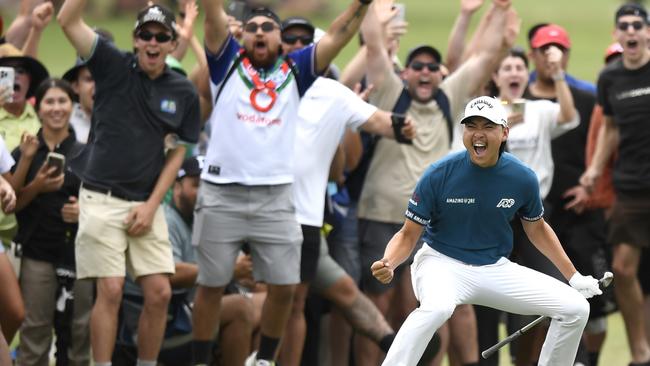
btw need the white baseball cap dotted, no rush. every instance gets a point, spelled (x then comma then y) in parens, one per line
(488, 108)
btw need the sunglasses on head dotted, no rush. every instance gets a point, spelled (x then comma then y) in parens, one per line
(293, 38)
(147, 36)
(624, 26)
(418, 66)
(266, 27)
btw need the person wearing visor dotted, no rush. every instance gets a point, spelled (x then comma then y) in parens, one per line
(482, 189)
(125, 171)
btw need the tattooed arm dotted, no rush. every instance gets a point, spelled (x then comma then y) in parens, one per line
(344, 27)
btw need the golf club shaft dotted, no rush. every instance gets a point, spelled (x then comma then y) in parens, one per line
(604, 282)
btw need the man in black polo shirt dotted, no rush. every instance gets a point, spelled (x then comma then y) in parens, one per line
(125, 172)
(624, 94)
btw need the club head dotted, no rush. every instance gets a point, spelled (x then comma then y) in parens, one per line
(607, 279)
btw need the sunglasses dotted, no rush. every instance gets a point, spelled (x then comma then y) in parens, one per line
(266, 27)
(418, 66)
(624, 26)
(292, 39)
(147, 36)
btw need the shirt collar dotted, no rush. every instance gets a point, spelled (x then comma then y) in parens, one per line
(28, 113)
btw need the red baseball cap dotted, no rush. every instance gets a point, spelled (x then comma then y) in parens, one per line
(551, 34)
(613, 50)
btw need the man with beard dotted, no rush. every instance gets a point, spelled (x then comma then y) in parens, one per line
(623, 94)
(246, 194)
(125, 172)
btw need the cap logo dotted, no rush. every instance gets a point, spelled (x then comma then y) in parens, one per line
(554, 33)
(480, 104)
(154, 15)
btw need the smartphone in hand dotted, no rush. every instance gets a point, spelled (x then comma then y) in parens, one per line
(55, 160)
(399, 121)
(401, 13)
(7, 75)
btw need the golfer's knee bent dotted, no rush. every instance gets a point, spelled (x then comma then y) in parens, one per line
(436, 312)
(576, 311)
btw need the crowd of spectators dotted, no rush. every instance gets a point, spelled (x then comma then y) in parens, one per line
(153, 215)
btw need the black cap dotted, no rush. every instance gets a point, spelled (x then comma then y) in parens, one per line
(298, 22)
(191, 167)
(262, 11)
(423, 49)
(631, 9)
(72, 73)
(156, 14)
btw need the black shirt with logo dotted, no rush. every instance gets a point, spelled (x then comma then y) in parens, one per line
(41, 230)
(131, 117)
(625, 95)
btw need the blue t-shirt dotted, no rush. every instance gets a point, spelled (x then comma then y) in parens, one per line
(467, 209)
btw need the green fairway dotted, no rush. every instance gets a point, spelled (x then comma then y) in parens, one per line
(589, 22)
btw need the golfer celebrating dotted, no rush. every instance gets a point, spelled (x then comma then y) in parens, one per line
(466, 201)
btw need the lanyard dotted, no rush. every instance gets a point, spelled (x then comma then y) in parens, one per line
(267, 87)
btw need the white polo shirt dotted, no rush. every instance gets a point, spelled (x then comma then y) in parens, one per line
(325, 111)
(249, 146)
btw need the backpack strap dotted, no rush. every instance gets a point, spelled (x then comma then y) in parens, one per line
(232, 69)
(443, 103)
(404, 102)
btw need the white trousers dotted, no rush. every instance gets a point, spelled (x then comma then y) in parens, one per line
(442, 283)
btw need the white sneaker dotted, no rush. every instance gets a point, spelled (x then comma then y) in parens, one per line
(250, 360)
(264, 363)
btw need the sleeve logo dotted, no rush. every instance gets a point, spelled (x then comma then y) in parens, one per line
(506, 203)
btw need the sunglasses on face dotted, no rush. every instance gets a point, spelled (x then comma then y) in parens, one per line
(624, 26)
(266, 27)
(292, 39)
(418, 66)
(147, 36)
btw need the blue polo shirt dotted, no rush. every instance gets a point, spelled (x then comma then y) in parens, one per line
(467, 209)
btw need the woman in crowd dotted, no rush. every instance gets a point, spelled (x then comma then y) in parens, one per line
(47, 213)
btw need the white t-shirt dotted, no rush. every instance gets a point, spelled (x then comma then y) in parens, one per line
(530, 141)
(80, 122)
(6, 160)
(249, 146)
(325, 111)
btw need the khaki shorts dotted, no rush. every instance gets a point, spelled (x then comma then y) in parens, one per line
(103, 247)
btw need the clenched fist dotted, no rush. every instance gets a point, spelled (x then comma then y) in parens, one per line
(382, 271)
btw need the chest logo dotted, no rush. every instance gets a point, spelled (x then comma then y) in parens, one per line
(168, 106)
(506, 203)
